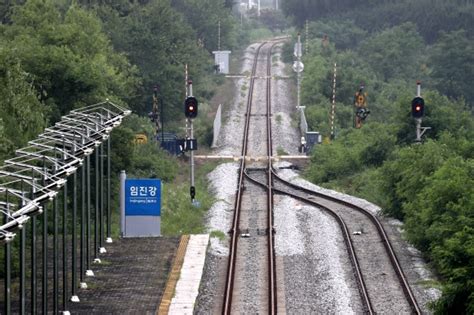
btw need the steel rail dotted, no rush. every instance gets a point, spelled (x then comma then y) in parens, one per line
(347, 239)
(272, 292)
(382, 233)
(227, 306)
(271, 249)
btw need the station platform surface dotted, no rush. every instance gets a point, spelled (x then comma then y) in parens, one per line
(130, 279)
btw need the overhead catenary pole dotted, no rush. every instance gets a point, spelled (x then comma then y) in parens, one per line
(64, 265)
(74, 297)
(55, 256)
(333, 107)
(102, 249)
(109, 192)
(44, 290)
(89, 271)
(33, 254)
(82, 270)
(7, 263)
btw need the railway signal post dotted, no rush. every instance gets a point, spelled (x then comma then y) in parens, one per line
(417, 111)
(361, 110)
(190, 111)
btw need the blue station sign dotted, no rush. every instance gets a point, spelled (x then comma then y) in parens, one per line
(142, 197)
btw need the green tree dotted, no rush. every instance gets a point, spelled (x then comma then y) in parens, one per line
(158, 40)
(68, 56)
(352, 152)
(345, 34)
(204, 16)
(440, 220)
(452, 61)
(407, 172)
(22, 115)
(395, 52)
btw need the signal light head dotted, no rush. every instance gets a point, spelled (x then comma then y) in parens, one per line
(191, 107)
(417, 107)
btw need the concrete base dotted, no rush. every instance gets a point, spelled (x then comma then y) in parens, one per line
(142, 226)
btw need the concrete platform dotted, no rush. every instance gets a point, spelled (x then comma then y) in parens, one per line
(186, 288)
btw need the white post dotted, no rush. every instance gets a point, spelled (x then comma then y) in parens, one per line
(123, 177)
(258, 8)
(306, 37)
(298, 76)
(333, 110)
(219, 36)
(276, 4)
(185, 80)
(186, 93)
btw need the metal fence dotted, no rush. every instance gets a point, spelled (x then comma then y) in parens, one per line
(55, 201)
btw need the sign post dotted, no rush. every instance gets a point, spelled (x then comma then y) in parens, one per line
(141, 207)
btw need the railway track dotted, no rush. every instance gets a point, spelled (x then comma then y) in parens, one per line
(375, 283)
(251, 278)
(253, 257)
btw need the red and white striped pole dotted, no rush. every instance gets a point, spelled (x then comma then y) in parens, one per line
(333, 108)
(186, 94)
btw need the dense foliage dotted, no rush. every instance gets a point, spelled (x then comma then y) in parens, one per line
(56, 56)
(429, 185)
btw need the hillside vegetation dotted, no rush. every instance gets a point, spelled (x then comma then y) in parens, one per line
(388, 46)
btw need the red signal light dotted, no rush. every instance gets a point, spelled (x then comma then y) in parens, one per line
(191, 107)
(417, 107)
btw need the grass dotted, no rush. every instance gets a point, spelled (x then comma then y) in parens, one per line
(179, 216)
(278, 119)
(281, 151)
(218, 234)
